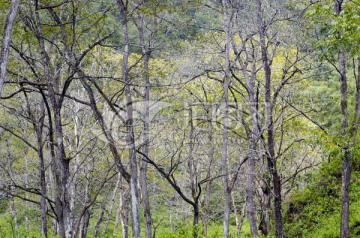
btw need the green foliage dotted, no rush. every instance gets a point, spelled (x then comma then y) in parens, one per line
(315, 211)
(334, 31)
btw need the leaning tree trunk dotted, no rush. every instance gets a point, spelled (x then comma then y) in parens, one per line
(8, 29)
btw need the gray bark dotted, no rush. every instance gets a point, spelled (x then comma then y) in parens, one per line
(112, 202)
(38, 128)
(143, 166)
(100, 220)
(122, 214)
(6, 41)
(208, 176)
(85, 224)
(130, 137)
(12, 188)
(60, 163)
(224, 157)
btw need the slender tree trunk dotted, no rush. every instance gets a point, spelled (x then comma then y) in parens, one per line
(75, 149)
(224, 157)
(85, 224)
(112, 202)
(346, 152)
(236, 214)
(123, 210)
(242, 217)
(100, 220)
(193, 179)
(252, 153)
(252, 159)
(12, 189)
(171, 218)
(208, 183)
(130, 138)
(144, 164)
(43, 205)
(50, 186)
(6, 40)
(27, 187)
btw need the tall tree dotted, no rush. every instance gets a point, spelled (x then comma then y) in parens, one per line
(224, 157)
(130, 137)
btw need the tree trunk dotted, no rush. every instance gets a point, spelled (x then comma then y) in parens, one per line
(193, 179)
(252, 153)
(242, 217)
(208, 176)
(196, 219)
(264, 225)
(123, 210)
(270, 143)
(236, 215)
(6, 41)
(85, 224)
(27, 187)
(61, 163)
(112, 202)
(346, 152)
(224, 157)
(100, 220)
(12, 188)
(76, 148)
(144, 164)
(130, 138)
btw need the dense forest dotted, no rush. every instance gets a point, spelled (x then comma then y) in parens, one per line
(179, 118)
